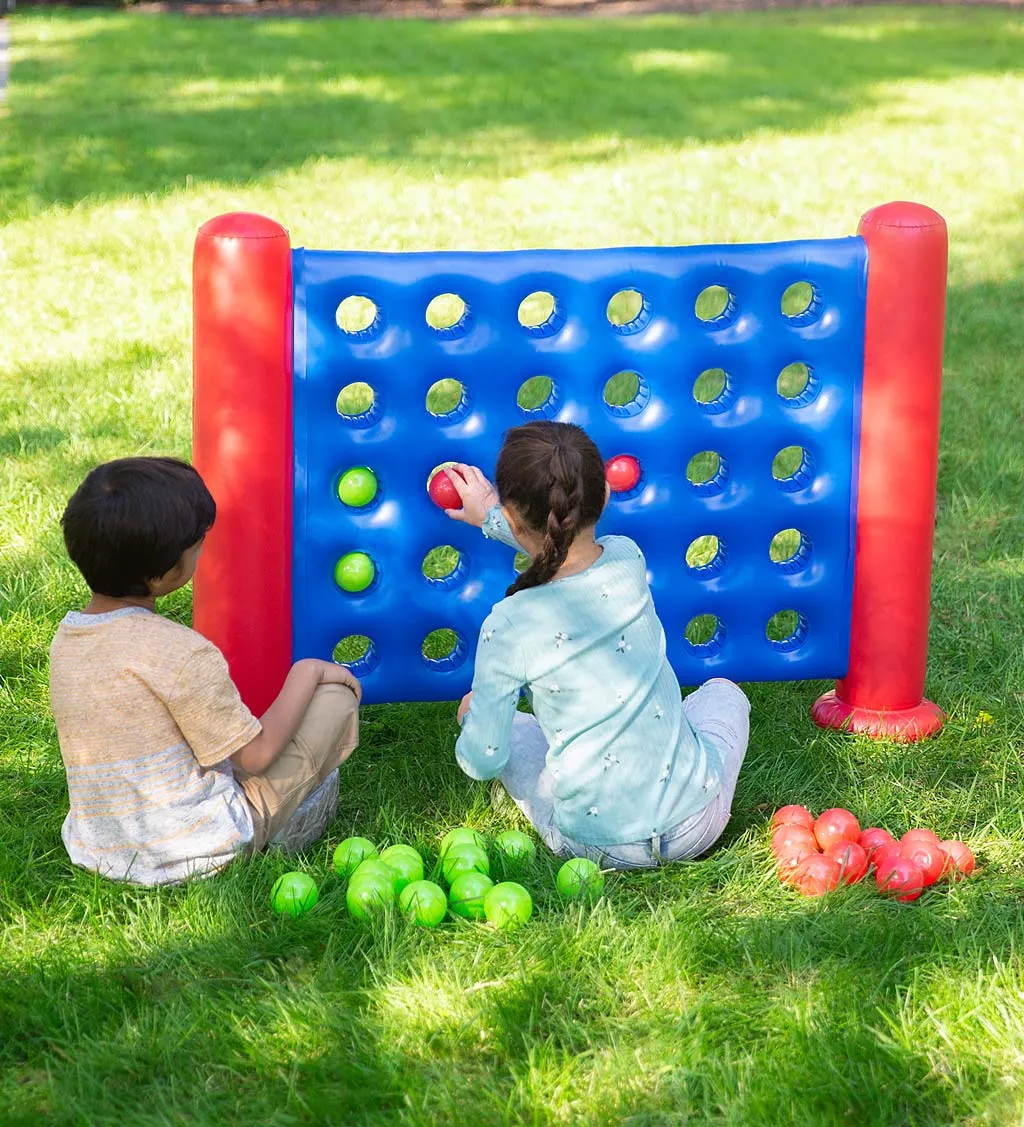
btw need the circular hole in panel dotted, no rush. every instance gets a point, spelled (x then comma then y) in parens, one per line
(785, 631)
(790, 550)
(444, 566)
(711, 389)
(714, 303)
(447, 399)
(707, 471)
(448, 315)
(626, 394)
(521, 562)
(628, 311)
(801, 303)
(444, 649)
(796, 383)
(357, 315)
(793, 468)
(705, 634)
(705, 556)
(538, 397)
(358, 653)
(357, 403)
(539, 314)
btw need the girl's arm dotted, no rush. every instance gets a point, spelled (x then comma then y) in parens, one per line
(482, 749)
(480, 504)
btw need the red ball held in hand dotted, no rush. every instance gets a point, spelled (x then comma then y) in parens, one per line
(622, 473)
(442, 492)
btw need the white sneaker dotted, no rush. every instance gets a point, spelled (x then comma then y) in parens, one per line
(310, 820)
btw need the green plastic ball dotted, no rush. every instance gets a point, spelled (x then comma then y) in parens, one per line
(351, 853)
(369, 895)
(423, 902)
(357, 487)
(375, 867)
(508, 904)
(461, 835)
(354, 572)
(293, 893)
(579, 877)
(466, 895)
(515, 846)
(405, 863)
(464, 859)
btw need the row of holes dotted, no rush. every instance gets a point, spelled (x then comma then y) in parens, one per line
(625, 393)
(790, 549)
(444, 648)
(628, 311)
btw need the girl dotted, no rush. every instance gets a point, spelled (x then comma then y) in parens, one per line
(613, 765)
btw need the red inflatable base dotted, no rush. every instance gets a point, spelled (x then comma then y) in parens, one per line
(904, 725)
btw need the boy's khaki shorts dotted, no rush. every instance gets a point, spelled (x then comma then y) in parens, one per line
(326, 736)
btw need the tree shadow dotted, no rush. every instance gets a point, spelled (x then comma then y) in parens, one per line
(118, 105)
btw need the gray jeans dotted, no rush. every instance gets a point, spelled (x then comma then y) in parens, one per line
(718, 711)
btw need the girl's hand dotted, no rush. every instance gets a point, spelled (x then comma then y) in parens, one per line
(477, 493)
(464, 707)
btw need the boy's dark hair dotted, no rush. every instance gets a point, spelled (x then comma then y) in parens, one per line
(132, 519)
(554, 476)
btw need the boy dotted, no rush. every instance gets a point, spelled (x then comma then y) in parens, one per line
(169, 774)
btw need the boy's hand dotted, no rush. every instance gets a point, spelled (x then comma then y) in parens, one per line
(333, 674)
(477, 493)
(464, 706)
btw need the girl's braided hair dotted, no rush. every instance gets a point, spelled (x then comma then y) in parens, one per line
(554, 476)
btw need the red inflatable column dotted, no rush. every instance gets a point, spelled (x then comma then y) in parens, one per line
(242, 445)
(883, 691)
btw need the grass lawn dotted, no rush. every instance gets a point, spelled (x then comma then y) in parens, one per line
(702, 993)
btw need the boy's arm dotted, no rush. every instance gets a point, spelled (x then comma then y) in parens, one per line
(482, 749)
(216, 723)
(282, 719)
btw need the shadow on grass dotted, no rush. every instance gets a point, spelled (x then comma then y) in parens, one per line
(104, 106)
(785, 1015)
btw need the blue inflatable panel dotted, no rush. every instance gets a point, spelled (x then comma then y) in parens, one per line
(668, 346)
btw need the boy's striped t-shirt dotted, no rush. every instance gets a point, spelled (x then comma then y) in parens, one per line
(148, 717)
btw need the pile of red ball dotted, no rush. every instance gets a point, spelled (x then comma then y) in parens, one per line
(817, 854)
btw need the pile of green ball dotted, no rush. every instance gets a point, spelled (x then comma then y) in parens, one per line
(378, 881)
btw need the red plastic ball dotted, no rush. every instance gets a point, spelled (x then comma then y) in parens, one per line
(622, 473)
(900, 878)
(874, 837)
(788, 860)
(920, 835)
(888, 851)
(853, 861)
(816, 875)
(929, 858)
(793, 816)
(959, 859)
(443, 493)
(836, 824)
(786, 836)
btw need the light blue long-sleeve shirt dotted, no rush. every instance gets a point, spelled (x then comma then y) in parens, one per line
(590, 650)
